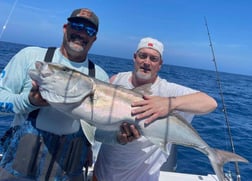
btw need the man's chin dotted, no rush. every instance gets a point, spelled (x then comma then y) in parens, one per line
(143, 75)
(76, 47)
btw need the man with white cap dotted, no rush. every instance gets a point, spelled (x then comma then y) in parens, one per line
(140, 160)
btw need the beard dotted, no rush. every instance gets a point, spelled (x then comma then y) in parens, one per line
(74, 47)
(75, 43)
(143, 75)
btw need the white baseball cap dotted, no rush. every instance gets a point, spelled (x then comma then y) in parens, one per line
(151, 43)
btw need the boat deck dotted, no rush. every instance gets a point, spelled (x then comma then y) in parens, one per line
(174, 176)
(164, 176)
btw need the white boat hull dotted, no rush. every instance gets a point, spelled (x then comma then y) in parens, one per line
(164, 176)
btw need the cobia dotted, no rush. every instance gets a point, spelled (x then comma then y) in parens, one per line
(106, 106)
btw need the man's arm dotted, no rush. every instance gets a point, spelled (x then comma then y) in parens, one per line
(156, 106)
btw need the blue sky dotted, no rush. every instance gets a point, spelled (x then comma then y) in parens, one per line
(179, 24)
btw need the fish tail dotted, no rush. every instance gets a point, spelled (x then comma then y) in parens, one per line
(219, 157)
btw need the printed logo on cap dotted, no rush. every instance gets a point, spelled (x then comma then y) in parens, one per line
(85, 13)
(150, 44)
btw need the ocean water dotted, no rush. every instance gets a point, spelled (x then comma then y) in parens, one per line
(237, 91)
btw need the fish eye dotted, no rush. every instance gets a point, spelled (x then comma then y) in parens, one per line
(65, 69)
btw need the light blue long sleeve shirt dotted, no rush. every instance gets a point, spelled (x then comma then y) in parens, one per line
(15, 83)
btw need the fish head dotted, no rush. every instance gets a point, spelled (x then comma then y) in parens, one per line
(60, 84)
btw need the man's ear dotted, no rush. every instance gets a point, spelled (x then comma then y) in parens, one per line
(134, 56)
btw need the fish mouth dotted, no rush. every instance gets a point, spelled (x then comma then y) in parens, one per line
(34, 74)
(43, 69)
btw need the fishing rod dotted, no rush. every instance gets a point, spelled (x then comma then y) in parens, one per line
(238, 176)
(8, 18)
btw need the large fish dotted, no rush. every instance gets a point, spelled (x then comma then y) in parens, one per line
(106, 106)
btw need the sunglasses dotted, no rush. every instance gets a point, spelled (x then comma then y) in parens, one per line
(82, 27)
(153, 58)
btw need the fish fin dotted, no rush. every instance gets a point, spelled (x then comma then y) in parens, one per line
(229, 156)
(143, 89)
(219, 157)
(89, 131)
(159, 143)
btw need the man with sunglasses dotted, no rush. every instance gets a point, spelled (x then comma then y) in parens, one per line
(140, 159)
(44, 144)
